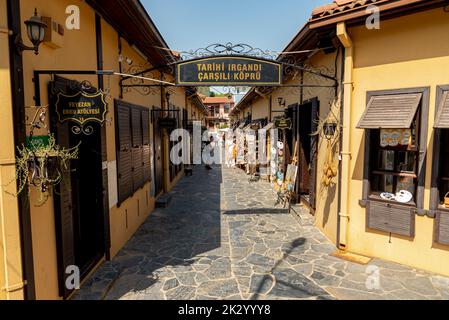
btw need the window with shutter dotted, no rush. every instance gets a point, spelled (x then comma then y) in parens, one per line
(133, 148)
(440, 171)
(146, 163)
(124, 151)
(136, 126)
(138, 180)
(396, 136)
(146, 127)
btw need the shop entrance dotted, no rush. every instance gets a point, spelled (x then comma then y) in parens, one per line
(79, 215)
(305, 124)
(156, 114)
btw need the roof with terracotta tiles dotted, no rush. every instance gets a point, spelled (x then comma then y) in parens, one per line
(218, 100)
(340, 6)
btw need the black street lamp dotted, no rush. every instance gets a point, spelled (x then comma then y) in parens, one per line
(36, 34)
(281, 102)
(329, 129)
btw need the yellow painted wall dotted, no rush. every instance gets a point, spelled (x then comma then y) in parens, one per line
(261, 108)
(10, 249)
(406, 52)
(124, 220)
(326, 213)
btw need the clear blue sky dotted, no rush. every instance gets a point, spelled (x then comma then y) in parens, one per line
(264, 24)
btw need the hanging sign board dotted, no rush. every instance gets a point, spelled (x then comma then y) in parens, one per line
(81, 107)
(168, 123)
(229, 71)
(283, 123)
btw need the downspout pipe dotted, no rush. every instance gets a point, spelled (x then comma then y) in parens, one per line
(345, 156)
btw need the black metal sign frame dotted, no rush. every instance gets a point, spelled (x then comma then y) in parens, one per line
(81, 107)
(229, 70)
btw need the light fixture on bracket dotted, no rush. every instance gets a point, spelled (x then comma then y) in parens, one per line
(36, 34)
(329, 129)
(281, 102)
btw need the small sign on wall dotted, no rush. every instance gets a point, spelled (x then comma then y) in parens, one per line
(81, 107)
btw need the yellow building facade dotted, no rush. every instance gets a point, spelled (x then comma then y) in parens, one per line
(406, 52)
(406, 57)
(98, 44)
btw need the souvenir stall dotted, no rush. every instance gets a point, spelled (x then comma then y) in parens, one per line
(283, 167)
(267, 135)
(252, 145)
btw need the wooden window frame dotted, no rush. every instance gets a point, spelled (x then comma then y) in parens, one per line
(418, 206)
(436, 210)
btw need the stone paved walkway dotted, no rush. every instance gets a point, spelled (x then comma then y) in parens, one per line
(222, 238)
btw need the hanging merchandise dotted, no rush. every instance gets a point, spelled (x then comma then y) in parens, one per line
(330, 170)
(395, 137)
(290, 178)
(240, 148)
(278, 176)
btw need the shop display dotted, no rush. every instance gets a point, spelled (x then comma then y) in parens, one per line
(290, 178)
(395, 137)
(402, 196)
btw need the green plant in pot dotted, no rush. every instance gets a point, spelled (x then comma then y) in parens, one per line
(42, 166)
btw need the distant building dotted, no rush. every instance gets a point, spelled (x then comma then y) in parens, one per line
(219, 110)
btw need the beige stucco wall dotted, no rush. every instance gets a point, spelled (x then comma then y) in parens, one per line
(406, 52)
(261, 108)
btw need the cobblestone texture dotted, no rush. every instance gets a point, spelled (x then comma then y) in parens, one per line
(223, 238)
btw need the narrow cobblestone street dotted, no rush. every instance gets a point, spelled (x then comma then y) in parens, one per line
(223, 238)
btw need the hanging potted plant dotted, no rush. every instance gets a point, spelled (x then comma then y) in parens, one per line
(42, 166)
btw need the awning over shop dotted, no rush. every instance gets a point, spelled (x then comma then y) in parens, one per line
(442, 121)
(395, 111)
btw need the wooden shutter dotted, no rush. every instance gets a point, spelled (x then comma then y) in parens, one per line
(146, 127)
(124, 151)
(391, 218)
(124, 127)
(394, 111)
(442, 120)
(136, 126)
(138, 179)
(442, 228)
(125, 175)
(146, 163)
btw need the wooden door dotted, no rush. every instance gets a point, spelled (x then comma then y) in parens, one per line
(79, 215)
(158, 151)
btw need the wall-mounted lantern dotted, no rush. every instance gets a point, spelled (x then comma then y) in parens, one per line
(36, 34)
(329, 129)
(281, 102)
